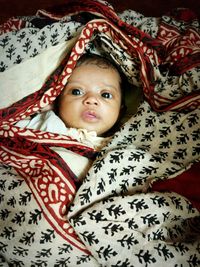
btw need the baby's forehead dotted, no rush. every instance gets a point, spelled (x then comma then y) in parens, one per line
(99, 64)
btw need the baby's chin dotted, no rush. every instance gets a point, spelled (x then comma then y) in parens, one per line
(93, 129)
(90, 127)
(99, 131)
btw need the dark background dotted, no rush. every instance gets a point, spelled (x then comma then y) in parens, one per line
(9, 8)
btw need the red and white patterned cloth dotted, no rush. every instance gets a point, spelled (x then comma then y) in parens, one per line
(160, 142)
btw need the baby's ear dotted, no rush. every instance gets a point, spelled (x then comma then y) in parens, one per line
(123, 110)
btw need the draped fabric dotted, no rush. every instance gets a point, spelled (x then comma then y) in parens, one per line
(127, 211)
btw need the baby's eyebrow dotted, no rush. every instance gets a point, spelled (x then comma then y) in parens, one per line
(72, 83)
(117, 89)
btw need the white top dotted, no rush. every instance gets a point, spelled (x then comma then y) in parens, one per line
(48, 121)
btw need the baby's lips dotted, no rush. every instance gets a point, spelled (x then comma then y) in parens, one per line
(90, 115)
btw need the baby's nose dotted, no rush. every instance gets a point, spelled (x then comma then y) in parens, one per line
(90, 100)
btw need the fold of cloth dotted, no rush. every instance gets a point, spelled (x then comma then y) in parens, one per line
(161, 140)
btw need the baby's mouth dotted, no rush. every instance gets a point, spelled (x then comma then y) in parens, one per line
(90, 115)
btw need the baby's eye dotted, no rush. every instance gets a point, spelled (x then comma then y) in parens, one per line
(76, 92)
(107, 95)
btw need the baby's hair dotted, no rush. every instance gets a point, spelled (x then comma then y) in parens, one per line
(97, 60)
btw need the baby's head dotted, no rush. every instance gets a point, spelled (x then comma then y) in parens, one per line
(92, 98)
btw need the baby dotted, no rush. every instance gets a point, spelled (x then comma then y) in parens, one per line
(92, 97)
(87, 109)
(89, 106)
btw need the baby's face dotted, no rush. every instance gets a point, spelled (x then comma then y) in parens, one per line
(91, 99)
